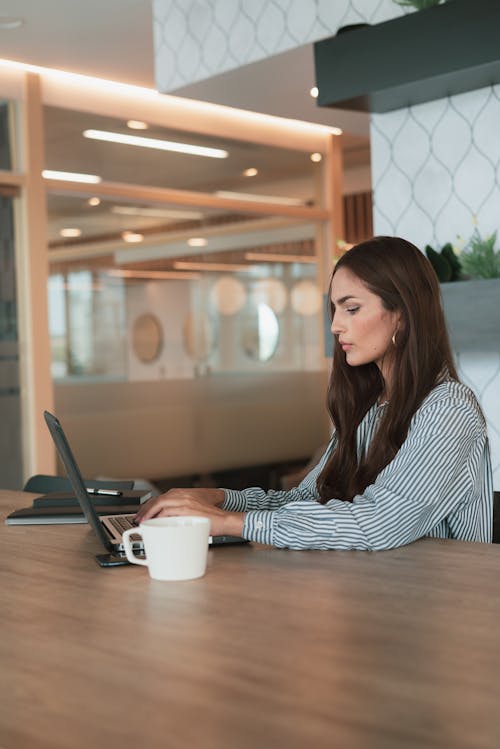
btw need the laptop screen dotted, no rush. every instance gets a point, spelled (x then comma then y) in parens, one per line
(75, 477)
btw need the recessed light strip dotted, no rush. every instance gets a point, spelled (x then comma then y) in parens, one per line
(8, 23)
(270, 257)
(92, 179)
(125, 210)
(181, 265)
(278, 199)
(132, 236)
(154, 275)
(161, 145)
(70, 232)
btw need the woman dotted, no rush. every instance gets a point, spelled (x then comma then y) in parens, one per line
(409, 455)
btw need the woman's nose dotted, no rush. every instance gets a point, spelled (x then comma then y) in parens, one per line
(335, 326)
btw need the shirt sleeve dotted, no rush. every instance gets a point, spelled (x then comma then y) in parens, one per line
(411, 495)
(256, 498)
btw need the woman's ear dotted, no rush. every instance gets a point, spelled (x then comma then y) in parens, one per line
(396, 320)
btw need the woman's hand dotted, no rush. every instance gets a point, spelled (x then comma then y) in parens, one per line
(199, 502)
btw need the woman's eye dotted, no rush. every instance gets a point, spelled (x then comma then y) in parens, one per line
(352, 310)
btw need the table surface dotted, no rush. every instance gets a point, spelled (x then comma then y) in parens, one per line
(272, 648)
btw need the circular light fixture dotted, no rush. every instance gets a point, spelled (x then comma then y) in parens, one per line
(271, 292)
(132, 236)
(10, 22)
(314, 92)
(94, 201)
(306, 298)
(228, 295)
(137, 125)
(316, 157)
(250, 172)
(197, 242)
(70, 232)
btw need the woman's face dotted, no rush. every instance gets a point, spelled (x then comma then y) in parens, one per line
(364, 327)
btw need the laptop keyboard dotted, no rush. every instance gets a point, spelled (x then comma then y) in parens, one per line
(122, 523)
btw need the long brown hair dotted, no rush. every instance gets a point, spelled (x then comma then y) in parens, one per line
(404, 279)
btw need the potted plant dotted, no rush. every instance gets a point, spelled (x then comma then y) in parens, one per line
(472, 305)
(479, 258)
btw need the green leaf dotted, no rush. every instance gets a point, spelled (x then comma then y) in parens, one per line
(455, 264)
(480, 259)
(440, 264)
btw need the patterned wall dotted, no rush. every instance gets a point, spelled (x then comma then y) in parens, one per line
(436, 168)
(198, 39)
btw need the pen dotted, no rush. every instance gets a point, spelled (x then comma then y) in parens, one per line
(105, 492)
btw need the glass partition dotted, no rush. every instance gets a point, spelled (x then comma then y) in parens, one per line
(224, 288)
(111, 150)
(10, 399)
(228, 293)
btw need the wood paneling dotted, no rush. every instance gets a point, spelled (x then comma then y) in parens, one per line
(358, 217)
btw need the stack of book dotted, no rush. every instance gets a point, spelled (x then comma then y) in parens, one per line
(63, 507)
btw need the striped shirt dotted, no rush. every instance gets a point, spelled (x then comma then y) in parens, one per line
(438, 484)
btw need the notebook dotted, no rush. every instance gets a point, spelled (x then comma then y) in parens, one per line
(108, 528)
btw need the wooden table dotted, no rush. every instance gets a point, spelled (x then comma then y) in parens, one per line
(272, 648)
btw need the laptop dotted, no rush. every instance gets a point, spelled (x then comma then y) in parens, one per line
(108, 528)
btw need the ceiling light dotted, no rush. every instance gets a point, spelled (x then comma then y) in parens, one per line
(314, 92)
(271, 257)
(8, 23)
(132, 236)
(94, 201)
(131, 210)
(260, 198)
(162, 145)
(69, 232)
(197, 242)
(153, 275)
(71, 176)
(137, 125)
(181, 265)
(250, 172)
(316, 157)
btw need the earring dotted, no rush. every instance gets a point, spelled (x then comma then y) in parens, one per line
(393, 339)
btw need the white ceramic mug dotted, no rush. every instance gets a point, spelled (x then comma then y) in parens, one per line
(175, 548)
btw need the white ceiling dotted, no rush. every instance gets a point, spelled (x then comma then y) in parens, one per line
(105, 38)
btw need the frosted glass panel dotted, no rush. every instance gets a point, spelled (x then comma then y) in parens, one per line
(10, 402)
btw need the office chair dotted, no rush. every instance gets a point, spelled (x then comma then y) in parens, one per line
(496, 517)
